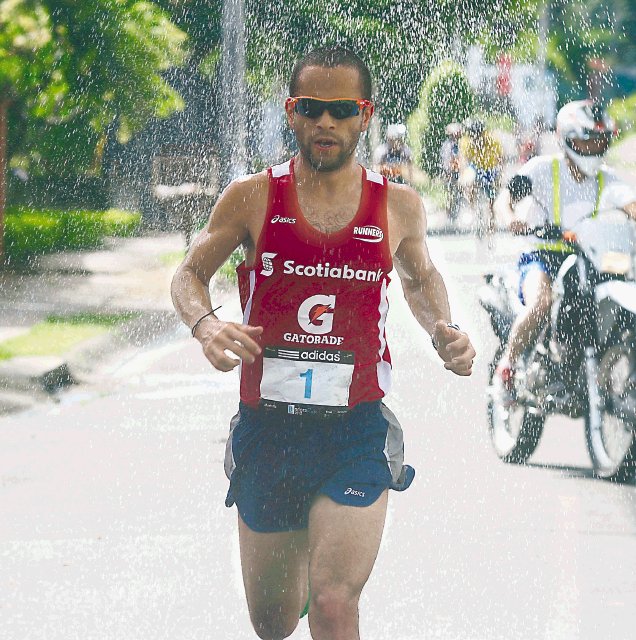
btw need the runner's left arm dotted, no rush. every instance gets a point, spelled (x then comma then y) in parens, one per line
(423, 286)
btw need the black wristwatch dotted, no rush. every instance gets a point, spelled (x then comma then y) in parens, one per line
(452, 325)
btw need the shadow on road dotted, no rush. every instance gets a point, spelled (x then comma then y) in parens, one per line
(572, 471)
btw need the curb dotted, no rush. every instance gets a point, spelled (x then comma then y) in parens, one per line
(24, 381)
(83, 359)
(35, 373)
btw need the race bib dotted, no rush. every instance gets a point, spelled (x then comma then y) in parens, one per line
(306, 378)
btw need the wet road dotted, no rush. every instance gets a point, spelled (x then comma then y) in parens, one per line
(113, 526)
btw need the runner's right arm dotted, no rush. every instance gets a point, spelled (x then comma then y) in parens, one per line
(233, 221)
(423, 286)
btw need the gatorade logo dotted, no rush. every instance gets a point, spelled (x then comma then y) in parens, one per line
(370, 233)
(315, 315)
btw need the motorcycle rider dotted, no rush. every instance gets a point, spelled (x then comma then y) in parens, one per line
(563, 189)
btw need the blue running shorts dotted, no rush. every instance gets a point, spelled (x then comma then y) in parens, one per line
(547, 261)
(487, 180)
(278, 463)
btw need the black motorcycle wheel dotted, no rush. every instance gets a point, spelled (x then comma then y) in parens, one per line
(611, 440)
(514, 431)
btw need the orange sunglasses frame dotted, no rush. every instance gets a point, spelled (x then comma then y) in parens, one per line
(363, 104)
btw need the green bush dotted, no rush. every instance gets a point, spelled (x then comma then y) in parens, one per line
(623, 110)
(81, 229)
(446, 97)
(228, 268)
(31, 232)
(118, 222)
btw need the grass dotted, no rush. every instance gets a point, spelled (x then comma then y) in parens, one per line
(435, 191)
(58, 334)
(172, 258)
(228, 269)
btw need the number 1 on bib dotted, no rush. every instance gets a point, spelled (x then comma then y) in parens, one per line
(308, 375)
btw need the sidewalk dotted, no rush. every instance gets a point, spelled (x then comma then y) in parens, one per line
(126, 275)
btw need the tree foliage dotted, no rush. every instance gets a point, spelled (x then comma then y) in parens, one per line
(399, 40)
(72, 70)
(446, 97)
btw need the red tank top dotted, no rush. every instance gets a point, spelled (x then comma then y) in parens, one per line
(322, 301)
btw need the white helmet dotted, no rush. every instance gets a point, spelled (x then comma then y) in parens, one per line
(583, 120)
(395, 132)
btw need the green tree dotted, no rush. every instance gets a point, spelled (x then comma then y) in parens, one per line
(577, 33)
(446, 97)
(69, 71)
(201, 21)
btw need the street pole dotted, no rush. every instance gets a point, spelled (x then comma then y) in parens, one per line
(542, 54)
(233, 93)
(4, 117)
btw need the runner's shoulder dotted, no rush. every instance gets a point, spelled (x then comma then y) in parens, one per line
(245, 195)
(250, 187)
(403, 196)
(404, 205)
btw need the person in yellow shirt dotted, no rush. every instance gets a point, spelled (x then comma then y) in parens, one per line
(482, 156)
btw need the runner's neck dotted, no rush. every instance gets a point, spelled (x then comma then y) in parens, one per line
(328, 185)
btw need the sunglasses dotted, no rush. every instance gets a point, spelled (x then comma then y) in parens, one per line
(590, 144)
(338, 108)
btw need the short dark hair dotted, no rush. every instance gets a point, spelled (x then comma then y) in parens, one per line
(332, 57)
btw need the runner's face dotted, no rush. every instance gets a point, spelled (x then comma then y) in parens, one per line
(326, 142)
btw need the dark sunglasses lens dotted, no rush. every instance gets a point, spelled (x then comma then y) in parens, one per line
(309, 108)
(343, 109)
(340, 109)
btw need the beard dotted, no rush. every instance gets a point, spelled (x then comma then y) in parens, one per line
(327, 161)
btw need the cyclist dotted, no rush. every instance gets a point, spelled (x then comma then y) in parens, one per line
(449, 166)
(482, 155)
(394, 158)
(563, 189)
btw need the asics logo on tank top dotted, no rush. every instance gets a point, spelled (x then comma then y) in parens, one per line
(268, 265)
(370, 233)
(283, 219)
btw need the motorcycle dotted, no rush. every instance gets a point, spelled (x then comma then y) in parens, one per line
(584, 361)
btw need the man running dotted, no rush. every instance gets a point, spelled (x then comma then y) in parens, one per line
(306, 455)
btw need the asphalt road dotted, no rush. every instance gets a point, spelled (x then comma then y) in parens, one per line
(113, 527)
